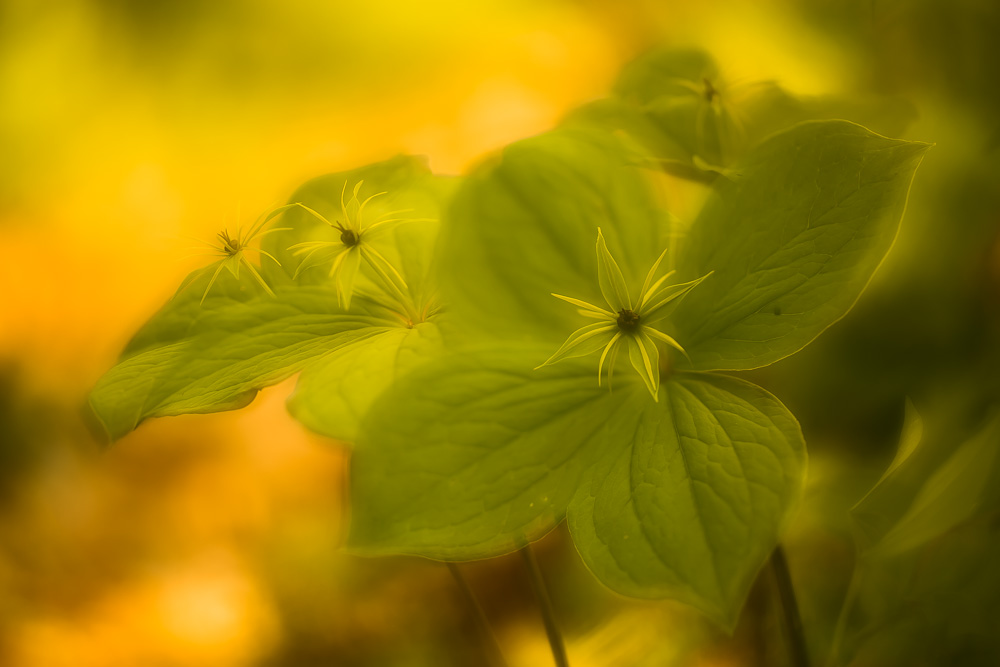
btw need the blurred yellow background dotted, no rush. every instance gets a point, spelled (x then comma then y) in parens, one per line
(127, 127)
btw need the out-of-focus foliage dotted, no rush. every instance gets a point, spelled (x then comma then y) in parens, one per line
(924, 589)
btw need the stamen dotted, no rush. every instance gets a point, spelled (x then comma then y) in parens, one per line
(349, 238)
(628, 320)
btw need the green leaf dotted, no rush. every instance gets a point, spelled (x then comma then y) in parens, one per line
(223, 356)
(690, 503)
(882, 506)
(474, 453)
(792, 242)
(523, 227)
(471, 455)
(694, 123)
(334, 393)
(681, 95)
(951, 495)
(925, 586)
(935, 605)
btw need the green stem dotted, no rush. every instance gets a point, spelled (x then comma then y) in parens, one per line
(491, 647)
(790, 609)
(545, 604)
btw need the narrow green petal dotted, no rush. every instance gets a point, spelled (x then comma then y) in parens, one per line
(594, 316)
(650, 331)
(310, 246)
(348, 275)
(649, 277)
(352, 209)
(389, 214)
(651, 292)
(610, 277)
(586, 306)
(375, 254)
(337, 262)
(275, 229)
(305, 263)
(654, 310)
(600, 365)
(383, 226)
(267, 254)
(232, 263)
(645, 360)
(371, 257)
(256, 275)
(361, 209)
(264, 219)
(612, 358)
(343, 206)
(581, 342)
(212, 281)
(316, 215)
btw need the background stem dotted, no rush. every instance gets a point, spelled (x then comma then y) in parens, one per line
(790, 609)
(490, 644)
(545, 604)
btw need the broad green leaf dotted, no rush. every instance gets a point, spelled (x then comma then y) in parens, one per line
(523, 227)
(226, 354)
(793, 242)
(471, 455)
(334, 393)
(690, 503)
(474, 453)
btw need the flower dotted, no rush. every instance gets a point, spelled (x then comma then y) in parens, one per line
(233, 250)
(352, 246)
(624, 323)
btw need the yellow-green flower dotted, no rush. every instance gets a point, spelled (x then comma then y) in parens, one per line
(353, 245)
(233, 250)
(625, 322)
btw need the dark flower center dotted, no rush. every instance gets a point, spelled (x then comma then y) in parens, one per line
(628, 320)
(349, 238)
(230, 245)
(710, 91)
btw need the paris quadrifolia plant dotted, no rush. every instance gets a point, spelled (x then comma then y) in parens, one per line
(353, 245)
(679, 486)
(626, 323)
(233, 250)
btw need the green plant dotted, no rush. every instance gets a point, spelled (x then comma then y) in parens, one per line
(437, 360)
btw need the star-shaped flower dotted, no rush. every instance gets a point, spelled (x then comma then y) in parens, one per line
(354, 245)
(626, 323)
(233, 250)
